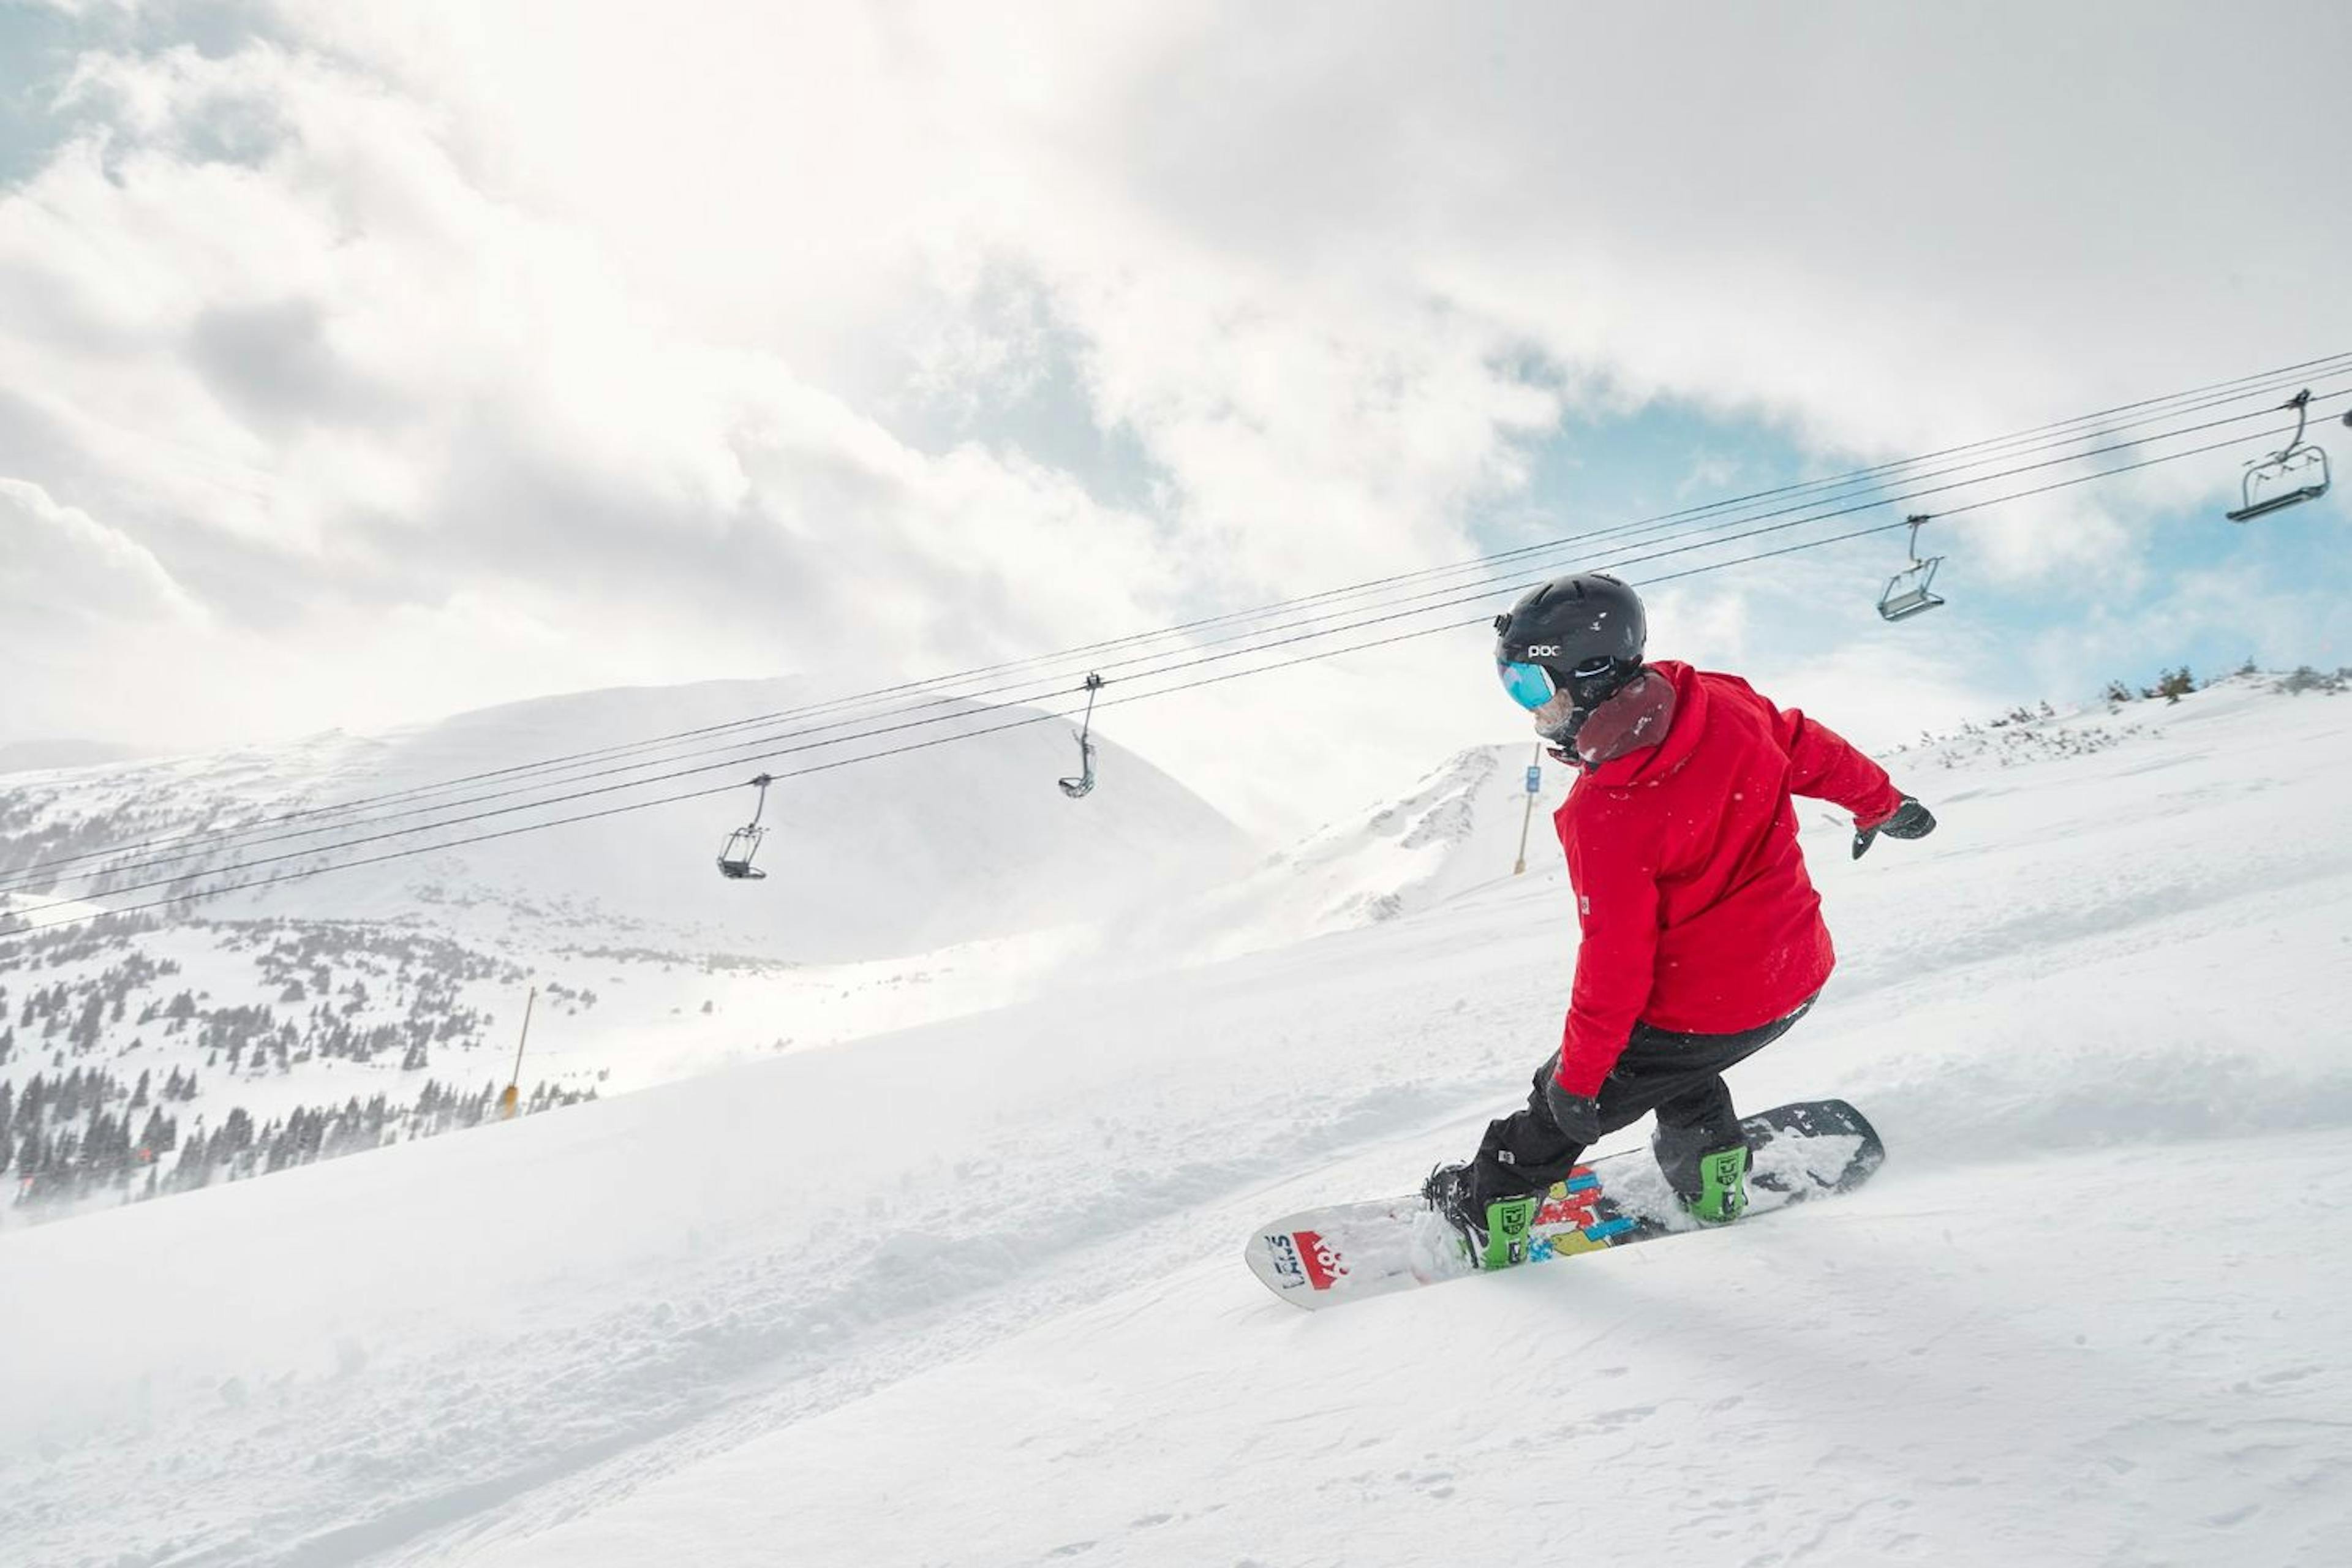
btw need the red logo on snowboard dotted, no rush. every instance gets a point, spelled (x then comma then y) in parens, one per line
(1324, 1267)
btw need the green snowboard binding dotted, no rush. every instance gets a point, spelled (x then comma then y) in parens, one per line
(1494, 1236)
(1503, 1241)
(1723, 1186)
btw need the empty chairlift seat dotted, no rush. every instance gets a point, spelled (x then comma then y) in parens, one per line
(1909, 592)
(735, 855)
(2295, 473)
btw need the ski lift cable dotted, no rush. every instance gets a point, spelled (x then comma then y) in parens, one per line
(1023, 721)
(1032, 719)
(1480, 595)
(214, 836)
(766, 746)
(25, 877)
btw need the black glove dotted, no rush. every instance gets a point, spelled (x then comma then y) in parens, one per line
(1911, 820)
(1578, 1116)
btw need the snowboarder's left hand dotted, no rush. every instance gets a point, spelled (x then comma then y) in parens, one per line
(1578, 1116)
(1911, 820)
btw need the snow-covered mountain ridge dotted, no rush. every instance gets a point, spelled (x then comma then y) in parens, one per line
(899, 854)
(1458, 829)
(341, 1012)
(1467, 826)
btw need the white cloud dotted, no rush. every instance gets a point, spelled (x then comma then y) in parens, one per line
(344, 390)
(540, 316)
(63, 570)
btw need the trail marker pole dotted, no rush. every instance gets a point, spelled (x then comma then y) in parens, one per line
(511, 1100)
(1535, 785)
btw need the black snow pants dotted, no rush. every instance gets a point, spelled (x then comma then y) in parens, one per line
(1678, 1076)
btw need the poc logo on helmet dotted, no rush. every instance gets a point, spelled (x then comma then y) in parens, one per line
(1543, 650)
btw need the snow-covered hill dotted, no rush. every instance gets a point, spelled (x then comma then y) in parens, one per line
(1465, 825)
(971, 1292)
(901, 853)
(332, 1015)
(29, 756)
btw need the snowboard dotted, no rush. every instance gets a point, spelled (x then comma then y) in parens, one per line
(1349, 1251)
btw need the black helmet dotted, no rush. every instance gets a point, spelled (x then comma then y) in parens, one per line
(1586, 632)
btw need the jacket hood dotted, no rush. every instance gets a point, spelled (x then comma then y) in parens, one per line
(1683, 731)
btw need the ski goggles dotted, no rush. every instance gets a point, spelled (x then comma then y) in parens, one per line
(1531, 685)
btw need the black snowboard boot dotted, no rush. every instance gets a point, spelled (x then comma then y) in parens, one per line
(1706, 1169)
(1495, 1227)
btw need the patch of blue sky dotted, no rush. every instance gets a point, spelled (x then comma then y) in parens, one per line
(37, 44)
(1049, 418)
(2190, 586)
(1670, 457)
(1034, 401)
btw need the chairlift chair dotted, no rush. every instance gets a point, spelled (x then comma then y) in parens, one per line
(1907, 591)
(735, 855)
(2298, 459)
(1083, 786)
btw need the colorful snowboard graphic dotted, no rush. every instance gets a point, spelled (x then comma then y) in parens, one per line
(1347, 1252)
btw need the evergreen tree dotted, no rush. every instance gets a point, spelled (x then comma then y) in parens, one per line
(56, 1172)
(86, 1028)
(195, 1168)
(105, 1147)
(31, 1154)
(159, 1136)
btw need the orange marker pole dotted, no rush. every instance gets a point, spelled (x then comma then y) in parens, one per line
(510, 1101)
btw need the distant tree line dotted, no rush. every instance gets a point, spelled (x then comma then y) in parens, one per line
(2173, 685)
(87, 1001)
(66, 1140)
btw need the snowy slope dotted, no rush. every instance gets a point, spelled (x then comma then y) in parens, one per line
(865, 1304)
(1460, 828)
(904, 889)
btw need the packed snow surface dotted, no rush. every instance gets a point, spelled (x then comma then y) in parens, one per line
(972, 1292)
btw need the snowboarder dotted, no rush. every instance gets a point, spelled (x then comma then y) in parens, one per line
(1703, 939)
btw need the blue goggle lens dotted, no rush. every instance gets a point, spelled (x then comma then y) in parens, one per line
(1530, 685)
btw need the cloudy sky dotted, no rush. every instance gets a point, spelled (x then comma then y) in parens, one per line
(365, 364)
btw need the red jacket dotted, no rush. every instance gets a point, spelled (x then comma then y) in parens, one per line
(1696, 913)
